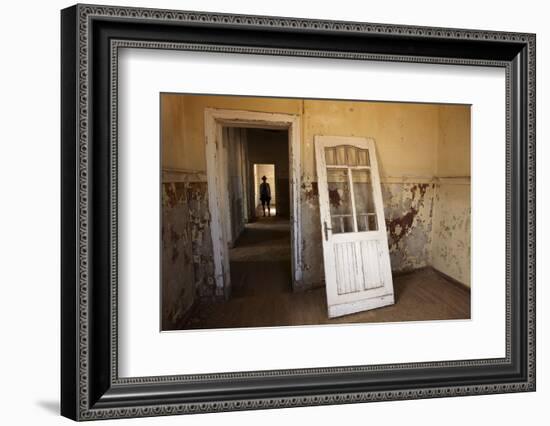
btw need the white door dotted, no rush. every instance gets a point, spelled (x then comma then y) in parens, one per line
(355, 245)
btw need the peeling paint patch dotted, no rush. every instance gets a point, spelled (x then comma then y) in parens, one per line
(177, 294)
(200, 240)
(451, 233)
(187, 265)
(310, 191)
(408, 211)
(400, 226)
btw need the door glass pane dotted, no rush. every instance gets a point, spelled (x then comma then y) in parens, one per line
(364, 201)
(363, 157)
(341, 155)
(330, 154)
(339, 200)
(351, 155)
(347, 155)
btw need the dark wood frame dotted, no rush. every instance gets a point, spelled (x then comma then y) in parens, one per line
(90, 386)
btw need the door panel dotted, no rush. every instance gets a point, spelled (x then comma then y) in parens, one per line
(355, 247)
(358, 266)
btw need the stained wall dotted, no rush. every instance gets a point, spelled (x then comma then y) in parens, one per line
(417, 144)
(186, 258)
(177, 258)
(452, 207)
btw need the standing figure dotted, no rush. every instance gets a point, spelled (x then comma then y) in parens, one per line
(265, 195)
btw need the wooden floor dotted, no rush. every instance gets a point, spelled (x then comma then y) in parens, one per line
(262, 294)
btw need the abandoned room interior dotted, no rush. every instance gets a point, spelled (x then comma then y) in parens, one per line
(366, 219)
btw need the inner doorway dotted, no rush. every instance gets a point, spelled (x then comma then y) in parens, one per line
(265, 192)
(228, 185)
(260, 257)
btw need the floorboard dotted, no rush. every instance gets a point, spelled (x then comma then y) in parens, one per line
(262, 295)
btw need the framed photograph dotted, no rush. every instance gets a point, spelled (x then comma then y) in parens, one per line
(263, 212)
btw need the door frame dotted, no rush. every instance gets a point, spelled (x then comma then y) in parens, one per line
(214, 120)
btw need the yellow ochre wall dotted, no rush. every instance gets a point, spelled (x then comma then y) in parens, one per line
(450, 250)
(417, 144)
(191, 134)
(406, 134)
(453, 149)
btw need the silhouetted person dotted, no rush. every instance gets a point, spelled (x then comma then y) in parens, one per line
(265, 195)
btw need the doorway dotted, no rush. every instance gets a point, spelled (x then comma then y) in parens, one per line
(224, 182)
(263, 174)
(259, 257)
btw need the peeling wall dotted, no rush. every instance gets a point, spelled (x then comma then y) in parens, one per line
(416, 144)
(452, 208)
(177, 258)
(451, 229)
(406, 137)
(408, 208)
(186, 258)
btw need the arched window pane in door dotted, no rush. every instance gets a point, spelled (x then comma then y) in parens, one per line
(346, 155)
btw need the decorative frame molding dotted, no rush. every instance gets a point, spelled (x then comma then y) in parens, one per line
(91, 37)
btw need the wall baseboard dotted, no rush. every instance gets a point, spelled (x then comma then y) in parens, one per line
(452, 280)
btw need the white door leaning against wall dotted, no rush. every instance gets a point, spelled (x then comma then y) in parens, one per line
(355, 245)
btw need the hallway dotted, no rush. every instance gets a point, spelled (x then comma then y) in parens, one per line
(262, 293)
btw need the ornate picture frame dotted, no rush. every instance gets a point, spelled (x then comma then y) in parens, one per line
(91, 36)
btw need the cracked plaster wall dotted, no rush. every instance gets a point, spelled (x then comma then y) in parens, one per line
(451, 229)
(187, 267)
(407, 140)
(452, 208)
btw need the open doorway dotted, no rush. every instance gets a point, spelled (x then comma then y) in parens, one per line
(265, 193)
(255, 138)
(260, 256)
